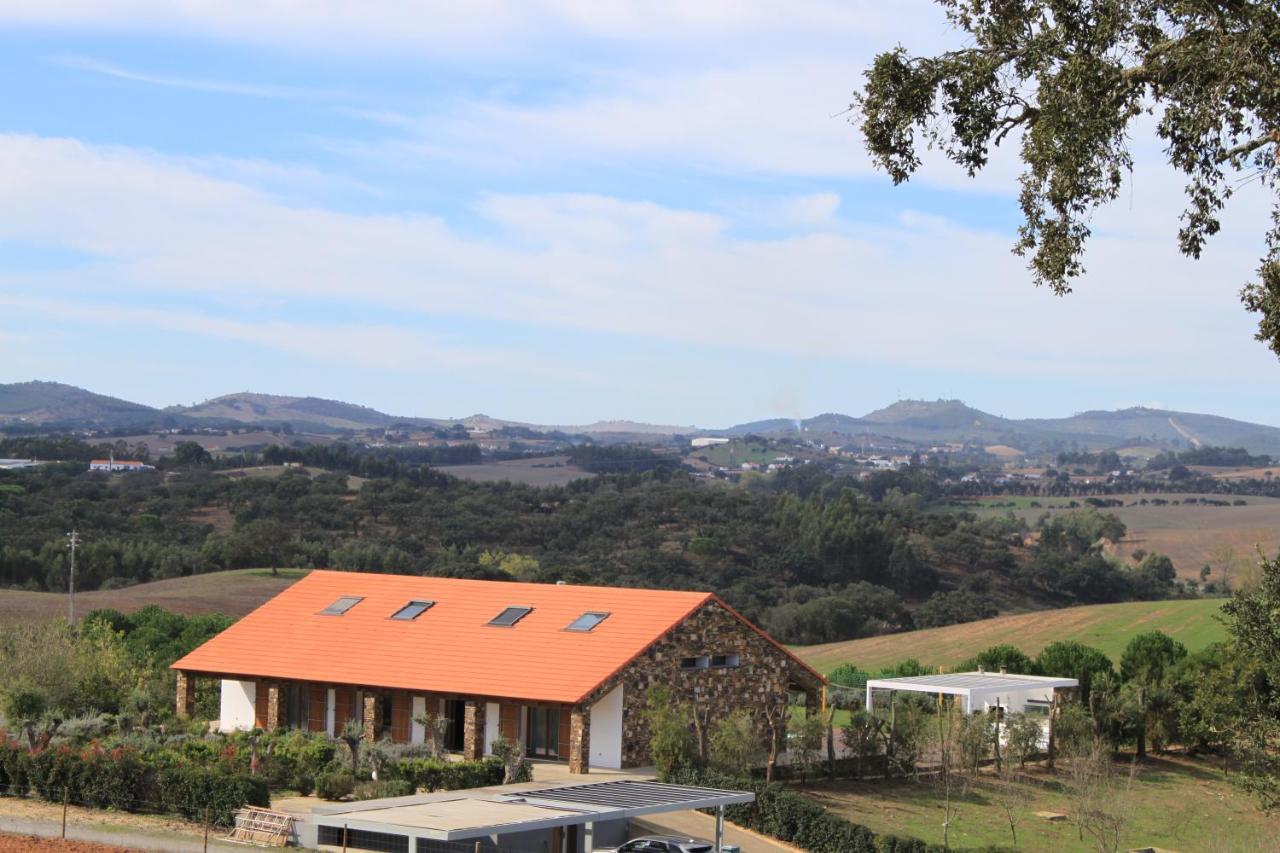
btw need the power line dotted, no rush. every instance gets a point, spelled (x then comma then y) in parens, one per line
(73, 540)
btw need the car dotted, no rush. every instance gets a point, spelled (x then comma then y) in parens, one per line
(665, 844)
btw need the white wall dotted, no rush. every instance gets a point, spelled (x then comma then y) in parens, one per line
(236, 713)
(606, 730)
(331, 711)
(417, 731)
(491, 725)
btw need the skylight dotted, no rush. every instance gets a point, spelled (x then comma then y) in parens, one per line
(587, 621)
(412, 610)
(510, 616)
(342, 605)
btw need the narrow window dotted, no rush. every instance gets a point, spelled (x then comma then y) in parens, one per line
(412, 610)
(587, 621)
(724, 661)
(342, 605)
(510, 616)
(694, 663)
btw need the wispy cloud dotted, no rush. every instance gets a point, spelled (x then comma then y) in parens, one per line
(221, 87)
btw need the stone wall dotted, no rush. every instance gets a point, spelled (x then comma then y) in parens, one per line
(762, 679)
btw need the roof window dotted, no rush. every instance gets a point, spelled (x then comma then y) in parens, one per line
(510, 616)
(587, 621)
(412, 610)
(342, 605)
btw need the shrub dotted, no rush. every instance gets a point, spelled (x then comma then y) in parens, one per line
(190, 791)
(303, 784)
(335, 785)
(13, 769)
(385, 788)
(115, 780)
(433, 775)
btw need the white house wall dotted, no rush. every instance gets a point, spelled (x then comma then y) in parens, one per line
(606, 730)
(417, 731)
(491, 721)
(237, 706)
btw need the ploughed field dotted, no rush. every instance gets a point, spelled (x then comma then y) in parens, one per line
(1192, 535)
(535, 471)
(233, 593)
(1108, 627)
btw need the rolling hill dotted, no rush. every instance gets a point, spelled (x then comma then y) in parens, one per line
(53, 404)
(1108, 627)
(300, 412)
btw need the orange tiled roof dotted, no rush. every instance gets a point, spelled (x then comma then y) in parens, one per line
(449, 648)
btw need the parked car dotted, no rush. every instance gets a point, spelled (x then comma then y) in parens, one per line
(664, 844)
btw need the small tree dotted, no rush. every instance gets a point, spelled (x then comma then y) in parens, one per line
(734, 745)
(515, 767)
(864, 736)
(808, 743)
(434, 727)
(352, 735)
(671, 744)
(1099, 795)
(1009, 790)
(1022, 737)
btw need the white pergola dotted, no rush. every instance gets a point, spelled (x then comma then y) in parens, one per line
(980, 691)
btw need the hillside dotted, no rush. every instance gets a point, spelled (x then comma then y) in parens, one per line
(232, 593)
(1108, 627)
(304, 412)
(54, 403)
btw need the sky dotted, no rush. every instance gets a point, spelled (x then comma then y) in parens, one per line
(559, 212)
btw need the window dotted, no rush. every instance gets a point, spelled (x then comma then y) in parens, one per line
(724, 661)
(342, 605)
(694, 663)
(587, 621)
(412, 610)
(510, 616)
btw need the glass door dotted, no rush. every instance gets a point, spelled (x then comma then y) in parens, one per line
(455, 713)
(544, 732)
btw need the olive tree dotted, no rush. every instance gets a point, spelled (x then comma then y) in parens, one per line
(1067, 81)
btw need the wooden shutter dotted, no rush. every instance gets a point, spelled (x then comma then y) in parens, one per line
(562, 748)
(343, 697)
(509, 721)
(401, 714)
(260, 690)
(317, 707)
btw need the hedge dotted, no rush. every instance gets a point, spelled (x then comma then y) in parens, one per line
(434, 775)
(120, 779)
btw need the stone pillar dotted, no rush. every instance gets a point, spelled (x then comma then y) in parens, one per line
(473, 731)
(273, 706)
(372, 710)
(580, 739)
(186, 694)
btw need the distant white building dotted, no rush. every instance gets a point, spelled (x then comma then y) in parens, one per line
(118, 465)
(707, 441)
(15, 464)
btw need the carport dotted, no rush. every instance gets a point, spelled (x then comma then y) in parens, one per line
(558, 819)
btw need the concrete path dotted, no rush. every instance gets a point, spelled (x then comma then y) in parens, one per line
(133, 837)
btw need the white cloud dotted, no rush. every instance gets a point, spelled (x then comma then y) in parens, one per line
(922, 294)
(108, 69)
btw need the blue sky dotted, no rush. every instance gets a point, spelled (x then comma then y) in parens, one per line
(557, 212)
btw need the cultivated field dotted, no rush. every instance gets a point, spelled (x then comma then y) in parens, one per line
(1106, 626)
(1174, 803)
(1191, 535)
(537, 471)
(232, 593)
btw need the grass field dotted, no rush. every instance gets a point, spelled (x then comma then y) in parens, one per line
(1174, 803)
(233, 593)
(1106, 626)
(536, 471)
(1191, 535)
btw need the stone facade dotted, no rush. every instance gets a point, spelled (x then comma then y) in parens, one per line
(370, 717)
(762, 679)
(186, 695)
(473, 723)
(579, 739)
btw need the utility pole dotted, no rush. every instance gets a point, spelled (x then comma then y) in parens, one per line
(73, 540)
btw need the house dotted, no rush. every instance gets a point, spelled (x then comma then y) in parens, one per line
(118, 465)
(562, 669)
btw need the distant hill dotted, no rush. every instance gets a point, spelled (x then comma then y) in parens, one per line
(300, 412)
(953, 421)
(54, 404)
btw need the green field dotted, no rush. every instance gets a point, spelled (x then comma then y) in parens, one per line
(1108, 627)
(1174, 803)
(735, 453)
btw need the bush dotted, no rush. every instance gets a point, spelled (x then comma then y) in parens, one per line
(13, 769)
(190, 791)
(303, 784)
(385, 788)
(335, 785)
(434, 775)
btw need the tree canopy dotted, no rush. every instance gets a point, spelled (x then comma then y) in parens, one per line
(1069, 80)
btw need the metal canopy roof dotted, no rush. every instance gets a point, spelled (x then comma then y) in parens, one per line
(480, 813)
(965, 683)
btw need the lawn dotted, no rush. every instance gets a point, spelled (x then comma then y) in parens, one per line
(1174, 803)
(1108, 627)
